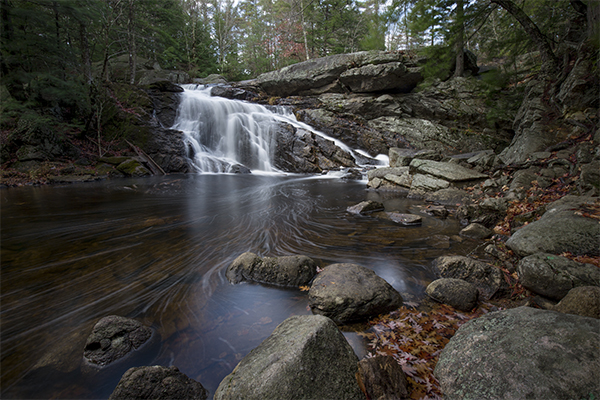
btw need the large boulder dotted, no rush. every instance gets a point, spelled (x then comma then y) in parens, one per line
(522, 353)
(306, 357)
(487, 278)
(350, 292)
(322, 75)
(114, 338)
(553, 276)
(157, 383)
(563, 228)
(291, 271)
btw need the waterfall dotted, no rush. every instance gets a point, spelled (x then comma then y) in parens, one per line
(224, 135)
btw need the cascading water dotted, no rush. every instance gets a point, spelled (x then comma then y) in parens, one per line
(225, 135)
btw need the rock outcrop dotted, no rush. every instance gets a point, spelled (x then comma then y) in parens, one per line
(290, 271)
(350, 292)
(522, 353)
(362, 72)
(306, 357)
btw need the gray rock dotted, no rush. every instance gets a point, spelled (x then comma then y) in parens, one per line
(405, 219)
(365, 207)
(392, 76)
(350, 292)
(553, 276)
(404, 180)
(157, 383)
(476, 231)
(114, 338)
(562, 228)
(448, 171)
(457, 293)
(428, 183)
(289, 271)
(383, 171)
(582, 300)
(401, 157)
(306, 357)
(487, 278)
(522, 353)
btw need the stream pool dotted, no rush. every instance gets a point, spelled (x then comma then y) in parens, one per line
(156, 249)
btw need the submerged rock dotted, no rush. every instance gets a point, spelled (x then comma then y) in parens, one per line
(157, 383)
(114, 338)
(405, 219)
(522, 353)
(291, 271)
(365, 207)
(350, 292)
(306, 357)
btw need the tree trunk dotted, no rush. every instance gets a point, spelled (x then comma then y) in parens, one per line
(549, 60)
(593, 21)
(460, 40)
(86, 60)
(131, 42)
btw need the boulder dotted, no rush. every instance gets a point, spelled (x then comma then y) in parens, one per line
(114, 338)
(390, 77)
(381, 172)
(554, 276)
(578, 234)
(401, 157)
(476, 231)
(350, 292)
(582, 300)
(457, 293)
(451, 172)
(157, 383)
(289, 271)
(306, 357)
(382, 378)
(365, 207)
(522, 353)
(487, 278)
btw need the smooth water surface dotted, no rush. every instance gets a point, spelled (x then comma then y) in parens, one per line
(156, 249)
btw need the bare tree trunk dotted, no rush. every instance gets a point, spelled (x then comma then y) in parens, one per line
(131, 40)
(86, 60)
(460, 40)
(304, 29)
(549, 60)
(593, 21)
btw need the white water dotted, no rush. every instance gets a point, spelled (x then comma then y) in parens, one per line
(222, 134)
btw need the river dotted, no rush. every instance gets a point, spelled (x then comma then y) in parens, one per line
(156, 249)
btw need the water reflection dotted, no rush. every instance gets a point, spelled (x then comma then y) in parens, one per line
(156, 249)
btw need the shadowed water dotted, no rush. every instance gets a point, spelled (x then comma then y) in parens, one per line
(156, 249)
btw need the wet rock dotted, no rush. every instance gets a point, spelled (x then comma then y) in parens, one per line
(554, 276)
(114, 338)
(382, 378)
(438, 241)
(451, 172)
(457, 293)
(157, 383)
(133, 167)
(289, 271)
(365, 207)
(436, 211)
(522, 353)
(487, 278)
(306, 357)
(577, 234)
(476, 231)
(405, 219)
(350, 292)
(582, 300)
